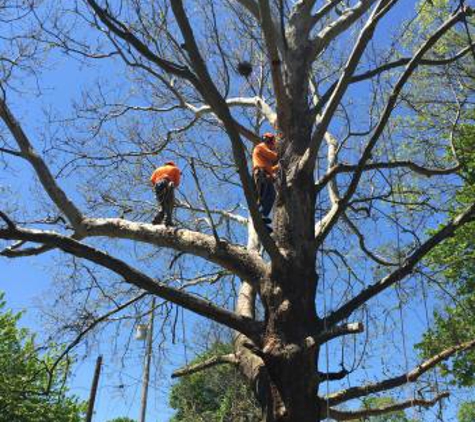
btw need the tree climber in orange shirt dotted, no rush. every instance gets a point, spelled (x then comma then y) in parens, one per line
(264, 161)
(164, 180)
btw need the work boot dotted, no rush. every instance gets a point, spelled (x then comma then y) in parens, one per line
(158, 218)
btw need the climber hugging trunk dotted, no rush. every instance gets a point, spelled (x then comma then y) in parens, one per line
(264, 161)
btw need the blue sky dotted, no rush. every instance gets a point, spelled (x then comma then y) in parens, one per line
(26, 280)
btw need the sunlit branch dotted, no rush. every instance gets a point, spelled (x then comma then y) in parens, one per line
(208, 363)
(195, 304)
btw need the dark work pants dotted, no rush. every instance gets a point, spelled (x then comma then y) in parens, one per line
(265, 191)
(165, 193)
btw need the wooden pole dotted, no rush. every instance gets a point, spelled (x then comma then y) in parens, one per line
(146, 371)
(95, 383)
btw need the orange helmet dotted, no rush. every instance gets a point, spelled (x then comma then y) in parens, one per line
(170, 163)
(268, 137)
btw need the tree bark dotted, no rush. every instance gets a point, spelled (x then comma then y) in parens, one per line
(289, 301)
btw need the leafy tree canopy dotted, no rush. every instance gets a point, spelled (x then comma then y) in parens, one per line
(466, 412)
(454, 260)
(24, 378)
(219, 394)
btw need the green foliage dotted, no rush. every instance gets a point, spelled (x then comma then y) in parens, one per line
(466, 412)
(375, 402)
(218, 394)
(123, 419)
(24, 378)
(455, 261)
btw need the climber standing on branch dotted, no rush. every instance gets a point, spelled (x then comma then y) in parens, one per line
(164, 180)
(264, 161)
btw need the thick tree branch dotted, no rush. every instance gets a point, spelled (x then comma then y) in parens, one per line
(14, 251)
(404, 270)
(339, 331)
(324, 10)
(209, 363)
(251, 6)
(57, 195)
(333, 376)
(123, 32)
(271, 41)
(389, 384)
(200, 306)
(238, 260)
(331, 31)
(254, 102)
(340, 415)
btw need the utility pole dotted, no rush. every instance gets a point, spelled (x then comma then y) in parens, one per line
(146, 370)
(95, 383)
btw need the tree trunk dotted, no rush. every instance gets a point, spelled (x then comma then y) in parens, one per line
(291, 317)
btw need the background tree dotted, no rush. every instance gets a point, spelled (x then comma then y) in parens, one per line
(453, 264)
(348, 173)
(219, 394)
(466, 412)
(28, 391)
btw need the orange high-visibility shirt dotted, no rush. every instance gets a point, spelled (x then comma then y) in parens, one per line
(265, 158)
(167, 171)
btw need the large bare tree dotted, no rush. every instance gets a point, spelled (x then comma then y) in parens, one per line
(356, 192)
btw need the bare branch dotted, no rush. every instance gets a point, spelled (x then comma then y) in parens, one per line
(348, 18)
(271, 41)
(209, 363)
(404, 270)
(340, 415)
(123, 32)
(337, 211)
(388, 384)
(236, 259)
(57, 195)
(14, 251)
(10, 224)
(389, 66)
(230, 215)
(324, 10)
(251, 6)
(211, 94)
(333, 376)
(93, 325)
(416, 168)
(255, 102)
(366, 34)
(339, 331)
(200, 306)
(203, 201)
